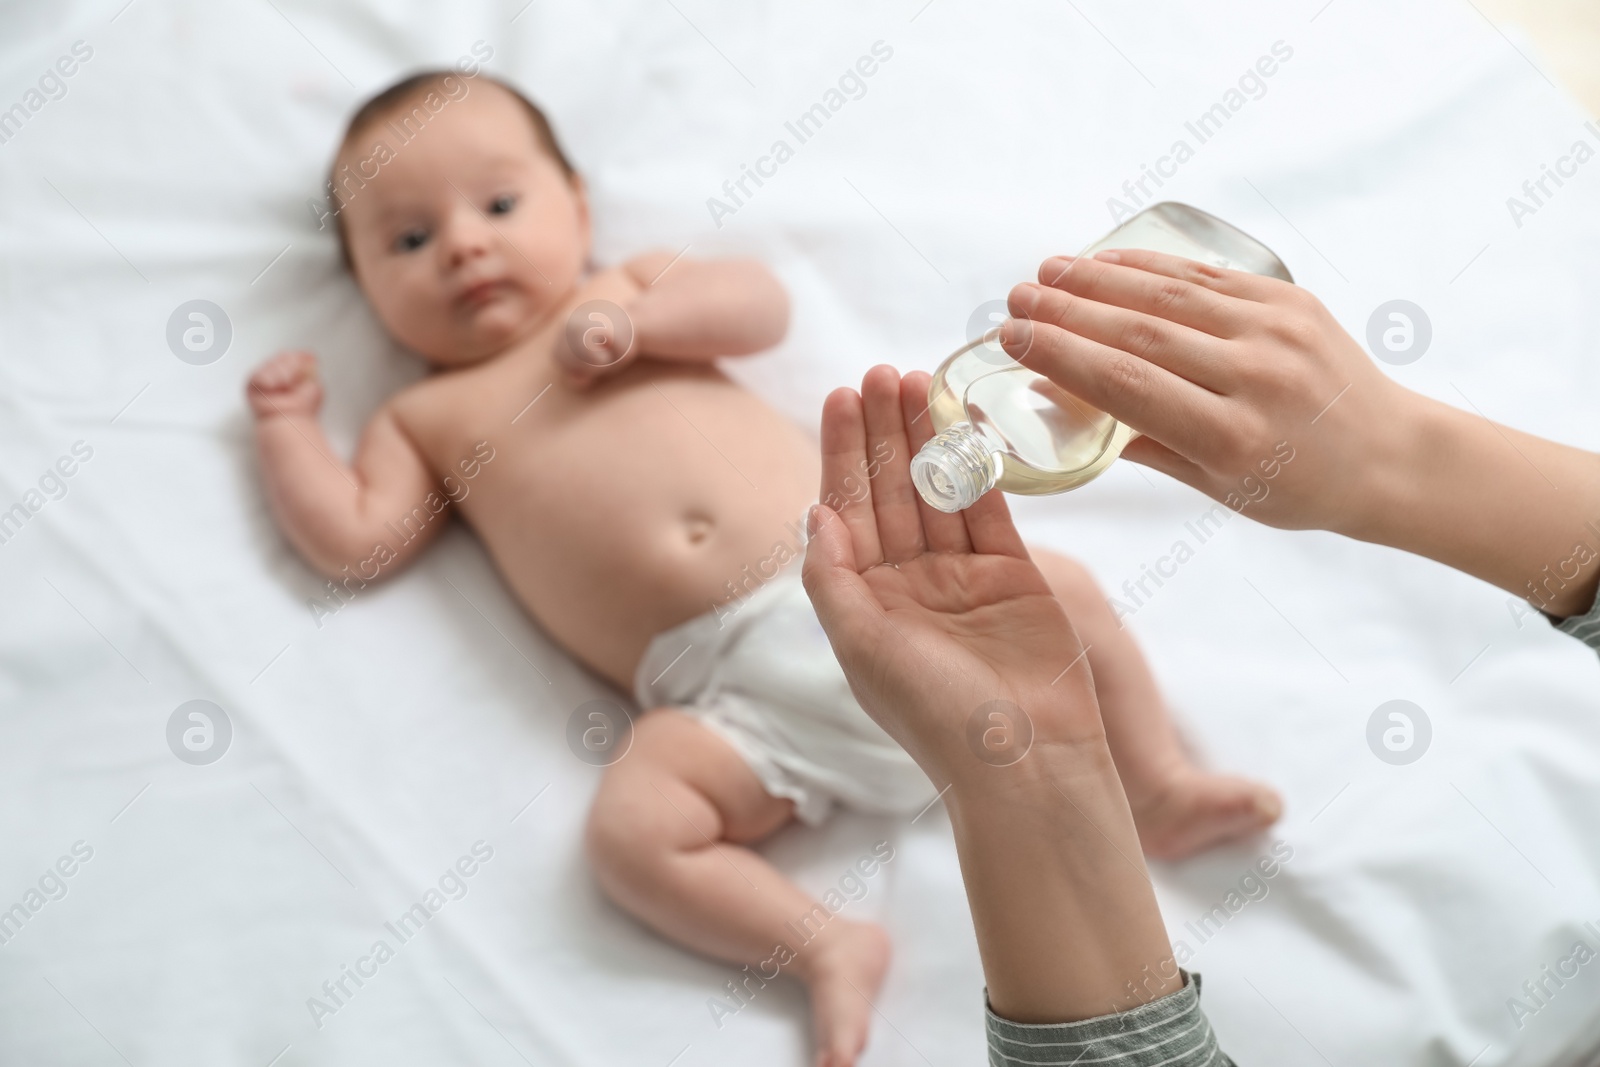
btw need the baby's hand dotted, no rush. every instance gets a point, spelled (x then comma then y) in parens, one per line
(286, 384)
(598, 342)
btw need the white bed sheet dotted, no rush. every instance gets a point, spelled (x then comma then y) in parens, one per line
(371, 753)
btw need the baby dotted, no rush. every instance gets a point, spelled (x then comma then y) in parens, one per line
(627, 489)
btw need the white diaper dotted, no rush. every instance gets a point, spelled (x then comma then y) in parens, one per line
(760, 672)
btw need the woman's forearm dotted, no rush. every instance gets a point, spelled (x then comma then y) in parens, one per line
(1512, 509)
(1066, 917)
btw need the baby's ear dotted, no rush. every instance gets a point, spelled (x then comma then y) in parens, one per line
(580, 195)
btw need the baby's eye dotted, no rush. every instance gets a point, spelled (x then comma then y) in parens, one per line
(502, 204)
(411, 240)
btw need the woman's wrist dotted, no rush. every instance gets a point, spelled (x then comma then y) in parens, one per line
(1066, 917)
(1380, 501)
(1043, 772)
(1515, 510)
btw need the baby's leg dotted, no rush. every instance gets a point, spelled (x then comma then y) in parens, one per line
(1178, 808)
(667, 839)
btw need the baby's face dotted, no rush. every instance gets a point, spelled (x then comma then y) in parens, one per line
(471, 234)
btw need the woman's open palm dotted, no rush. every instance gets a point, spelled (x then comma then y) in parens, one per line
(935, 617)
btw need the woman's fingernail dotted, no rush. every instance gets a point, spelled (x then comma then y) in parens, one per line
(1055, 268)
(1108, 257)
(1016, 333)
(1024, 297)
(813, 519)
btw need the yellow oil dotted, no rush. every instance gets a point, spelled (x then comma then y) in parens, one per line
(1053, 441)
(1044, 439)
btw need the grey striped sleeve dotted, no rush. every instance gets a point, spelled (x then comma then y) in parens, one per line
(1170, 1032)
(1585, 628)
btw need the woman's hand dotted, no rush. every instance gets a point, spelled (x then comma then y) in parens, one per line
(953, 643)
(1244, 387)
(1247, 389)
(943, 624)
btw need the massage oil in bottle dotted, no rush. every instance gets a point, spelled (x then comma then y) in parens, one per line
(1000, 425)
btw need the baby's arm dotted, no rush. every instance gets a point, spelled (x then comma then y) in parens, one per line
(702, 309)
(333, 512)
(680, 310)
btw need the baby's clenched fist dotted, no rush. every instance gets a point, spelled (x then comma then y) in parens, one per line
(598, 342)
(286, 384)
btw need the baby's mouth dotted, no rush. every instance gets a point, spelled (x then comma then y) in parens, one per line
(481, 294)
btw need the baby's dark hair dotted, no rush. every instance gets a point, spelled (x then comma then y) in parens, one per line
(390, 99)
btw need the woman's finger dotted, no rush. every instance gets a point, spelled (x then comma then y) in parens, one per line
(888, 467)
(1157, 456)
(990, 527)
(1189, 353)
(1174, 299)
(944, 532)
(846, 489)
(1239, 284)
(1179, 414)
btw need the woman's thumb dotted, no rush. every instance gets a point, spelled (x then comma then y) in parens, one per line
(830, 564)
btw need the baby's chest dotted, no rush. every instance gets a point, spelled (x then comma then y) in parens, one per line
(454, 421)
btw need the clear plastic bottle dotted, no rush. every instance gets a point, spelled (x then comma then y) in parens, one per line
(1000, 425)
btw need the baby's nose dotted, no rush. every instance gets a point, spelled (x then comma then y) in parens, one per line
(470, 235)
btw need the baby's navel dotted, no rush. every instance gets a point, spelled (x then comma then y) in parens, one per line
(698, 527)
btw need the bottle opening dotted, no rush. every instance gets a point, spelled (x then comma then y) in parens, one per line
(955, 468)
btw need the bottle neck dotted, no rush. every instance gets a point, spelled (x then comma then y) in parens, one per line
(955, 468)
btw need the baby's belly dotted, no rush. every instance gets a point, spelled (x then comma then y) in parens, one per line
(650, 510)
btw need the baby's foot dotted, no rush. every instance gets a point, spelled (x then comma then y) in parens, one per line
(844, 975)
(1195, 809)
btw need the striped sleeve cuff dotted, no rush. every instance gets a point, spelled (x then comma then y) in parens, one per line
(1170, 1032)
(1585, 628)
